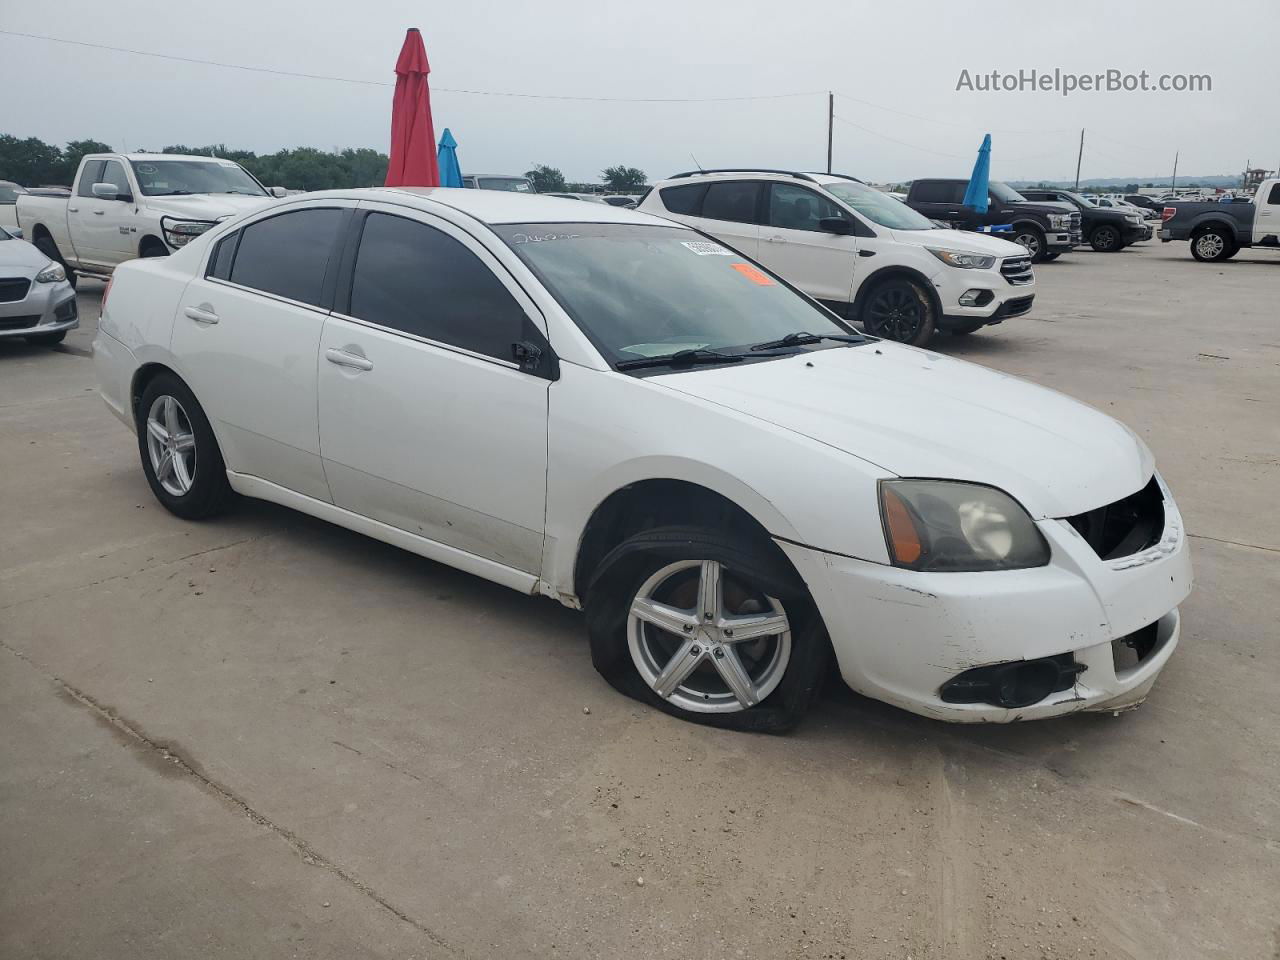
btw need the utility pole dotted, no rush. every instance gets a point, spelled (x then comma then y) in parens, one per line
(831, 120)
(1079, 158)
(1173, 186)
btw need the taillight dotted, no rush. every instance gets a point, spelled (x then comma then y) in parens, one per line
(102, 306)
(1167, 213)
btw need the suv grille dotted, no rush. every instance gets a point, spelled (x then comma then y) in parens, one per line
(1125, 527)
(13, 289)
(1017, 270)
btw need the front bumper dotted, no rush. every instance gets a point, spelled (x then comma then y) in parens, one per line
(1136, 234)
(46, 308)
(1062, 241)
(899, 636)
(999, 299)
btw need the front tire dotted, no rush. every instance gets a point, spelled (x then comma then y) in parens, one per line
(899, 310)
(708, 628)
(1106, 239)
(1214, 246)
(1032, 240)
(180, 455)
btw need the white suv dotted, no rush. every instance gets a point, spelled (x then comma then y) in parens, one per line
(865, 255)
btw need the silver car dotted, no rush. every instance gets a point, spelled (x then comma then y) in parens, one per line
(36, 302)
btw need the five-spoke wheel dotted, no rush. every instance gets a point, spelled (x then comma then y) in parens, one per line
(180, 454)
(171, 444)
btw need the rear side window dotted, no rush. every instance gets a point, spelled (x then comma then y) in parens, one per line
(1274, 196)
(90, 174)
(735, 200)
(419, 280)
(220, 262)
(287, 254)
(686, 199)
(937, 191)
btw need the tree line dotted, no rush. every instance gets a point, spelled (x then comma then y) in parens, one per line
(34, 163)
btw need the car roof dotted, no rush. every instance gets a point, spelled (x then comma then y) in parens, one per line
(157, 156)
(502, 206)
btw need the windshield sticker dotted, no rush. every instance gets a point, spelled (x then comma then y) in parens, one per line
(705, 248)
(542, 237)
(145, 168)
(754, 275)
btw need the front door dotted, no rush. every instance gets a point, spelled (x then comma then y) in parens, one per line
(1266, 222)
(426, 423)
(248, 332)
(819, 263)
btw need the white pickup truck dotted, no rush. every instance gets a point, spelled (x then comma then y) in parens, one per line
(127, 205)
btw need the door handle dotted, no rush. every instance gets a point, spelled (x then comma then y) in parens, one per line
(73, 209)
(99, 213)
(776, 239)
(344, 359)
(199, 315)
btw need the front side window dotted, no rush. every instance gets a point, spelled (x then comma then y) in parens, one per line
(796, 208)
(734, 200)
(1274, 196)
(879, 207)
(419, 280)
(287, 254)
(220, 262)
(176, 178)
(1005, 193)
(89, 175)
(113, 173)
(641, 291)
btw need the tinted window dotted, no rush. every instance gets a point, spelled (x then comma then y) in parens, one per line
(113, 173)
(1274, 197)
(220, 262)
(731, 201)
(684, 199)
(937, 191)
(414, 278)
(795, 208)
(89, 174)
(287, 254)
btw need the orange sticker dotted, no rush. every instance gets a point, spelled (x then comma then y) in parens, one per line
(752, 274)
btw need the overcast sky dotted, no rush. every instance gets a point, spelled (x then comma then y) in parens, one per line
(905, 55)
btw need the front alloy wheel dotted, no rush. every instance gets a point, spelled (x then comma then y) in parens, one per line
(706, 641)
(1106, 240)
(898, 310)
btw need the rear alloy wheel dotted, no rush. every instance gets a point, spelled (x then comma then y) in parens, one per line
(180, 455)
(1213, 245)
(1106, 239)
(899, 310)
(691, 622)
(1032, 240)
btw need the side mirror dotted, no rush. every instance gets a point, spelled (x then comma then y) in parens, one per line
(837, 225)
(106, 191)
(278, 192)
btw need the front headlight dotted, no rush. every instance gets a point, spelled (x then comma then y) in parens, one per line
(965, 261)
(951, 526)
(53, 273)
(178, 233)
(1133, 218)
(1059, 221)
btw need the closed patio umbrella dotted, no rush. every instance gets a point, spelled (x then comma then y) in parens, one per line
(975, 195)
(413, 139)
(447, 160)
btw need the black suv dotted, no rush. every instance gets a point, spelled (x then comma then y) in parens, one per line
(1045, 229)
(1107, 230)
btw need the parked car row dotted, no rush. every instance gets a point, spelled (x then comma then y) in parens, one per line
(742, 492)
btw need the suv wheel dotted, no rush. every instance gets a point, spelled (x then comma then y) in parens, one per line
(1105, 239)
(1032, 239)
(898, 310)
(708, 628)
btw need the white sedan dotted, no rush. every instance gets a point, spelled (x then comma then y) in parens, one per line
(618, 412)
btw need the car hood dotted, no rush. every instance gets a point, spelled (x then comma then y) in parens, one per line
(205, 206)
(963, 240)
(21, 256)
(915, 413)
(1044, 206)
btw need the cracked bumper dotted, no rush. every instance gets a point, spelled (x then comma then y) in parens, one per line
(900, 635)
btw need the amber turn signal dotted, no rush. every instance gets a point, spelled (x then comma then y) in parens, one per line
(903, 538)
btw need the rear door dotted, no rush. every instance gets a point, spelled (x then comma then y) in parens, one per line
(426, 421)
(1266, 219)
(730, 211)
(247, 335)
(821, 264)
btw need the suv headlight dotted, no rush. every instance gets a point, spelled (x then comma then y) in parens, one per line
(965, 261)
(178, 233)
(952, 526)
(53, 273)
(1133, 218)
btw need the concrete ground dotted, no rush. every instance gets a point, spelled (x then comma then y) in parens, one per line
(265, 737)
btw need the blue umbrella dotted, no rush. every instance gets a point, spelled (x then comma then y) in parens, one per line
(447, 158)
(975, 195)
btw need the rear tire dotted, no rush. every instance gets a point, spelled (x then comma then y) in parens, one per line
(898, 309)
(47, 339)
(1214, 245)
(685, 667)
(50, 249)
(187, 475)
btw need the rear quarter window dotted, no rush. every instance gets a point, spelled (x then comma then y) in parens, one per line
(685, 199)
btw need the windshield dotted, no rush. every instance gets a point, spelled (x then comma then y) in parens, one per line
(1005, 193)
(1082, 201)
(170, 178)
(646, 291)
(879, 207)
(510, 184)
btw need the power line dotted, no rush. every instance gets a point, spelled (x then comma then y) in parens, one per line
(384, 83)
(950, 123)
(913, 146)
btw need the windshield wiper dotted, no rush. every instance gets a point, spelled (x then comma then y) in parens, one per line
(680, 358)
(801, 338)
(173, 193)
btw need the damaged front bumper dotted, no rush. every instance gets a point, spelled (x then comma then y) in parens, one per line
(902, 636)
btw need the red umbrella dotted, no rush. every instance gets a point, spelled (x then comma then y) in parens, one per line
(413, 139)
